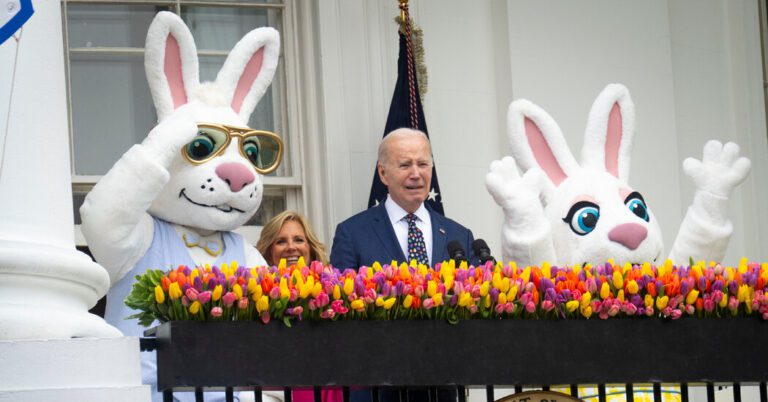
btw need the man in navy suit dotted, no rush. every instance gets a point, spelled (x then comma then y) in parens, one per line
(381, 233)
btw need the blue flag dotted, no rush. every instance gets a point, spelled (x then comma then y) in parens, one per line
(406, 111)
(13, 16)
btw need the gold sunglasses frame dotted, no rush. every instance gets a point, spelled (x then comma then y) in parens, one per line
(242, 133)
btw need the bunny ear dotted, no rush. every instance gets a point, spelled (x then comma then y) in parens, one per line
(537, 141)
(249, 69)
(170, 61)
(609, 133)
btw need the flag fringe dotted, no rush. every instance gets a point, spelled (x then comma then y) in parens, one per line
(417, 48)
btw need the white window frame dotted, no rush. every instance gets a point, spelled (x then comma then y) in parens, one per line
(288, 111)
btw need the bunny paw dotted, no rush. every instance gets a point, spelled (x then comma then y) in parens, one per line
(508, 188)
(720, 170)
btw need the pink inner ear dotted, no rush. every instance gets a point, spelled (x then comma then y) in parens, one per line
(250, 73)
(173, 73)
(543, 153)
(613, 141)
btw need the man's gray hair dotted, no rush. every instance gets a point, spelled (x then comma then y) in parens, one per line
(400, 133)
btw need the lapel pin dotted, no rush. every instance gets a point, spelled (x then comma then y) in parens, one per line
(441, 230)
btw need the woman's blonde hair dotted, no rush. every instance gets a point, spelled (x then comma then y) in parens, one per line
(272, 228)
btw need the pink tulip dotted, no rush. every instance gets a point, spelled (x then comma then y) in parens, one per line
(191, 294)
(428, 303)
(242, 304)
(530, 307)
(676, 314)
(229, 299)
(274, 294)
(294, 294)
(322, 299)
(204, 297)
(265, 317)
(418, 291)
(509, 307)
(499, 308)
(649, 311)
(473, 308)
(217, 311)
(709, 305)
(613, 310)
(547, 305)
(329, 313)
(184, 301)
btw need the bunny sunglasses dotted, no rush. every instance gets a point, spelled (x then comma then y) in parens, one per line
(263, 149)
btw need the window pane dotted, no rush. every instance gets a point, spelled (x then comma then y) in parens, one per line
(111, 108)
(218, 28)
(96, 25)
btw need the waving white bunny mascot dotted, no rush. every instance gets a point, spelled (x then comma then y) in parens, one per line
(174, 198)
(566, 212)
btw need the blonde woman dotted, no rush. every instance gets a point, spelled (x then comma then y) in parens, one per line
(289, 236)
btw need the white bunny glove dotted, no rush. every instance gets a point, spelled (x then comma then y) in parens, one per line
(706, 229)
(526, 233)
(115, 220)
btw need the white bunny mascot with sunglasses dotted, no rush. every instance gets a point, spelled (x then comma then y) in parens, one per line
(175, 198)
(575, 213)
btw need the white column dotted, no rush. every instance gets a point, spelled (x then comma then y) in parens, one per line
(46, 285)
(52, 349)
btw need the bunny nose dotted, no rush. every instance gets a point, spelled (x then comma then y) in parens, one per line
(630, 235)
(235, 174)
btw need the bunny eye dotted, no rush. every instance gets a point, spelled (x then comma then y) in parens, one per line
(583, 217)
(205, 143)
(636, 204)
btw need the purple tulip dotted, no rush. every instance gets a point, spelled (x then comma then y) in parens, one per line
(550, 294)
(733, 288)
(399, 288)
(685, 287)
(198, 284)
(702, 285)
(718, 285)
(494, 295)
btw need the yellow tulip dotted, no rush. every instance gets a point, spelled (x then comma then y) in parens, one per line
(618, 279)
(502, 298)
(237, 290)
(465, 299)
(216, 295)
(376, 266)
(257, 292)
(585, 299)
(431, 288)
(358, 304)
(620, 295)
(301, 263)
(723, 301)
(742, 293)
(389, 303)
(284, 291)
(379, 301)
(484, 288)
(572, 305)
(546, 270)
(504, 285)
(632, 287)
(526, 275)
(743, 265)
(251, 285)
(438, 299)
(305, 290)
(646, 269)
(317, 289)
(159, 294)
(174, 292)
(463, 265)
(661, 302)
(487, 301)
(408, 301)
(605, 291)
(648, 301)
(194, 308)
(262, 304)
(586, 311)
(336, 292)
(692, 296)
(349, 286)
(448, 282)
(627, 268)
(512, 293)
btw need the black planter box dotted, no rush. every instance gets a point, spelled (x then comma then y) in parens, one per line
(476, 352)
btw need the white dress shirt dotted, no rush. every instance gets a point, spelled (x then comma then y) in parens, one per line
(400, 224)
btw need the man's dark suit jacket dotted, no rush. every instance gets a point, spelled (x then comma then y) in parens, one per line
(369, 236)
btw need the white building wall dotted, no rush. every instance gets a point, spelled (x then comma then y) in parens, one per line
(693, 69)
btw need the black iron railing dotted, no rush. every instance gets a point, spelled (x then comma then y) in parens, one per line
(234, 356)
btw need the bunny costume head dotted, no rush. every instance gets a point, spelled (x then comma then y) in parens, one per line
(569, 212)
(593, 212)
(224, 191)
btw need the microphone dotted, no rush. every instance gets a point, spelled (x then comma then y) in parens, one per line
(456, 251)
(482, 251)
